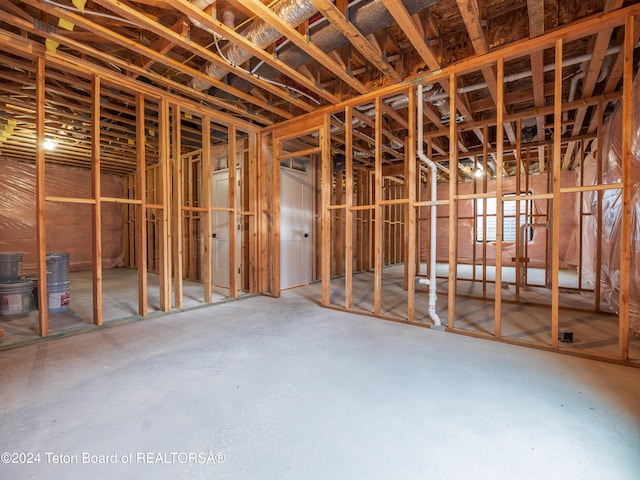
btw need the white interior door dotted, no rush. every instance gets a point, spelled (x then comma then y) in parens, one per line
(296, 221)
(220, 228)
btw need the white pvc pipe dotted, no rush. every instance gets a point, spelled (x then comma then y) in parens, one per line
(434, 196)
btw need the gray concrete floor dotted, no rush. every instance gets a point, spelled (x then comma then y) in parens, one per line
(284, 389)
(119, 302)
(527, 322)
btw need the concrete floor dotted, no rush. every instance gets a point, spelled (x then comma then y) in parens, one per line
(284, 389)
(527, 322)
(120, 303)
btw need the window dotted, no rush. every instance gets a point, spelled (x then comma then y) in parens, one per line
(296, 163)
(509, 226)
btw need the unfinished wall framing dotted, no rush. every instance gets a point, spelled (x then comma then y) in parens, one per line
(143, 161)
(510, 214)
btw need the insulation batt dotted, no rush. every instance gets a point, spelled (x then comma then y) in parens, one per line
(612, 213)
(68, 225)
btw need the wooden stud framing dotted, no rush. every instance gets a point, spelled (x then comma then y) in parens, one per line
(233, 219)
(325, 213)
(251, 173)
(519, 255)
(497, 325)
(485, 179)
(598, 263)
(453, 207)
(141, 209)
(96, 214)
(348, 214)
(43, 319)
(206, 202)
(625, 214)
(275, 216)
(378, 213)
(411, 213)
(555, 214)
(164, 227)
(177, 201)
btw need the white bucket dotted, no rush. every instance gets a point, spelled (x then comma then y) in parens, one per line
(58, 297)
(15, 298)
(10, 266)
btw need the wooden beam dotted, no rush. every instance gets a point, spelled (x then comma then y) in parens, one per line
(369, 51)
(378, 213)
(41, 230)
(627, 193)
(453, 211)
(536, 17)
(206, 202)
(413, 32)
(497, 326)
(411, 259)
(348, 248)
(184, 42)
(176, 205)
(79, 66)
(163, 45)
(471, 16)
(275, 215)
(231, 35)
(325, 213)
(151, 54)
(141, 209)
(97, 207)
(470, 12)
(302, 42)
(555, 216)
(233, 217)
(598, 52)
(164, 225)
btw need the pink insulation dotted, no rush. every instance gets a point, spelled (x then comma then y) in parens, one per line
(612, 213)
(68, 225)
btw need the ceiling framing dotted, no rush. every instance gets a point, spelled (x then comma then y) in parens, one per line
(260, 63)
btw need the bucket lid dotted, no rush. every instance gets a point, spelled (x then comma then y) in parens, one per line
(11, 254)
(16, 284)
(57, 255)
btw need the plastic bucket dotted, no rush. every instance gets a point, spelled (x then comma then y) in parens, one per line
(58, 297)
(57, 268)
(15, 298)
(10, 266)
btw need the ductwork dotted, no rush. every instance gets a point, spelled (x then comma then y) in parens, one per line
(367, 17)
(202, 4)
(262, 34)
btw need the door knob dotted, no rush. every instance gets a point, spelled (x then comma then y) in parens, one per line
(306, 235)
(214, 235)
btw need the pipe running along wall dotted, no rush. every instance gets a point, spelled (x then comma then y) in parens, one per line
(431, 282)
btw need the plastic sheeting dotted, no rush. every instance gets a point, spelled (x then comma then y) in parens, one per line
(612, 213)
(536, 248)
(68, 225)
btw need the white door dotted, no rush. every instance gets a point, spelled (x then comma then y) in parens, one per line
(220, 228)
(296, 220)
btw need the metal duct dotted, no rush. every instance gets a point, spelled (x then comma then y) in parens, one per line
(294, 12)
(367, 17)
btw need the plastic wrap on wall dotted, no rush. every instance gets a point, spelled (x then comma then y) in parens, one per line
(536, 246)
(612, 212)
(68, 225)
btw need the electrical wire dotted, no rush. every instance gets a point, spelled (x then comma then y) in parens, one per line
(89, 12)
